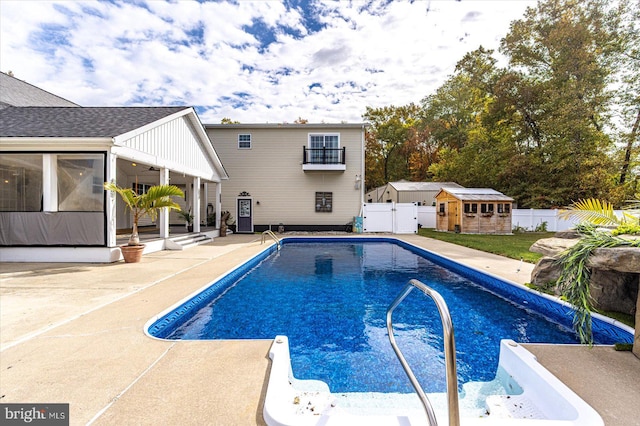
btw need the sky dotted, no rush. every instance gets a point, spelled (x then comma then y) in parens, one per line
(264, 61)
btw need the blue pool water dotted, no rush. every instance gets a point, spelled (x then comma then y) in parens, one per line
(330, 299)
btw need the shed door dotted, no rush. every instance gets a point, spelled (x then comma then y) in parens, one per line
(245, 218)
(452, 214)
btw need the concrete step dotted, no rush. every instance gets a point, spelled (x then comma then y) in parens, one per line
(186, 241)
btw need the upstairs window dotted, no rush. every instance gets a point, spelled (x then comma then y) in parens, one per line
(244, 141)
(324, 149)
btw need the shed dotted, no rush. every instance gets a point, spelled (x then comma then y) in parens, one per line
(473, 211)
(404, 191)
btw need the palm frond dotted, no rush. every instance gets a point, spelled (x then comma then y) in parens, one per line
(592, 210)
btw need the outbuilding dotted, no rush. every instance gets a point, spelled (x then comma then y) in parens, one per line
(403, 191)
(473, 211)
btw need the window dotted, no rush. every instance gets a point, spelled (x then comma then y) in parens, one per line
(324, 202)
(486, 208)
(504, 208)
(21, 182)
(470, 207)
(80, 180)
(140, 188)
(441, 208)
(324, 149)
(244, 141)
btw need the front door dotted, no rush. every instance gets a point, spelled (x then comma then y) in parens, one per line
(245, 219)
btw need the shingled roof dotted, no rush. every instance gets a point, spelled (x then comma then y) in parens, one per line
(78, 122)
(15, 92)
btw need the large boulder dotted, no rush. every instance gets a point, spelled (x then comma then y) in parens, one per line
(621, 259)
(552, 247)
(545, 272)
(613, 291)
(615, 275)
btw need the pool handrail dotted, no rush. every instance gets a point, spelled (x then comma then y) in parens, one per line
(270, 233)
(449, 351)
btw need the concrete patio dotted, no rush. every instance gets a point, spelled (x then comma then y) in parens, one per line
(73, 333)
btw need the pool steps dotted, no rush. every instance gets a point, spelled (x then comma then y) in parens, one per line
(532, 396)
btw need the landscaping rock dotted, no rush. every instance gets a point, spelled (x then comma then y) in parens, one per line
(569, 234)
(546, 271)
(613, 291)
(622, 259)
(552, 247)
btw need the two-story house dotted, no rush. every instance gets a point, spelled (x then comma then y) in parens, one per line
(296, 177)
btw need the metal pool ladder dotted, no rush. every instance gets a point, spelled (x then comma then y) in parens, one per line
(449, 352)
(270, 233)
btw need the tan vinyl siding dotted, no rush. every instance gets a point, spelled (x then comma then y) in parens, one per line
(271, 172)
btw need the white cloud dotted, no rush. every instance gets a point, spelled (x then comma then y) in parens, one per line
(365, 54)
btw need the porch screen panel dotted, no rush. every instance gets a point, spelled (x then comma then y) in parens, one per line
(21, 182)
(80, 179)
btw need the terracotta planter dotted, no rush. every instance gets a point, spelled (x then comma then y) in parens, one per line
(132, 254)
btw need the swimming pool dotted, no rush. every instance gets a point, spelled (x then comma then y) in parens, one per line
(330, 298)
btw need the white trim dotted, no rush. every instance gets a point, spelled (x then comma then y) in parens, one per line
(250, 141)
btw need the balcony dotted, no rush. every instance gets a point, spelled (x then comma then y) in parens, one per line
(324, 159)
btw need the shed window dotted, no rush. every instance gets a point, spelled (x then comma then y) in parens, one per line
(486, 208)
(244, 141)
(441, 208)
(504, 208)
(470, 207)
(324, 202)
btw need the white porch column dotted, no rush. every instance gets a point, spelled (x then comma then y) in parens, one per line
(218, 203)
(50, 183)
(110, 206)
(195, 204)
(163, 217)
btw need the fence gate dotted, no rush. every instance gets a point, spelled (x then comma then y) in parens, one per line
(400, 218)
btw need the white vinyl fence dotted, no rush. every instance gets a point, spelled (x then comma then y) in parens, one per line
(398, 218)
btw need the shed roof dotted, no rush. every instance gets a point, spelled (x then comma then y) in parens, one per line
(476, 194)
(423, 186)
(72, 122)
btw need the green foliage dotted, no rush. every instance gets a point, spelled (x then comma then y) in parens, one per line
(148, 204)
(575, 277)
(623, 347)
(187, 216)
(549, 128)
(628, 229)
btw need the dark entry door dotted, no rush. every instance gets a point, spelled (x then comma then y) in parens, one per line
(245, 219)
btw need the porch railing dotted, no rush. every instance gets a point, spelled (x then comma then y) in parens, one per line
(323, 155)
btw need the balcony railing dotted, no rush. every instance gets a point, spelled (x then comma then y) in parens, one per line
(327, 156)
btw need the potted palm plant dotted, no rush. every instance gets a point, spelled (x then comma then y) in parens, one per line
(188, 219)
(141, 205)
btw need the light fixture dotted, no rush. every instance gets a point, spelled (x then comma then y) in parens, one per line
(133, 164)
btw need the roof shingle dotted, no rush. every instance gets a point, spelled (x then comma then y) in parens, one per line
(77, 122)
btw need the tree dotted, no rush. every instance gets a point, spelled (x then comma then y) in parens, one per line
(149, 204)
(226, 120)
(389, 129)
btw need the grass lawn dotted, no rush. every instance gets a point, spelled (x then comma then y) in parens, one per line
(515, 246)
